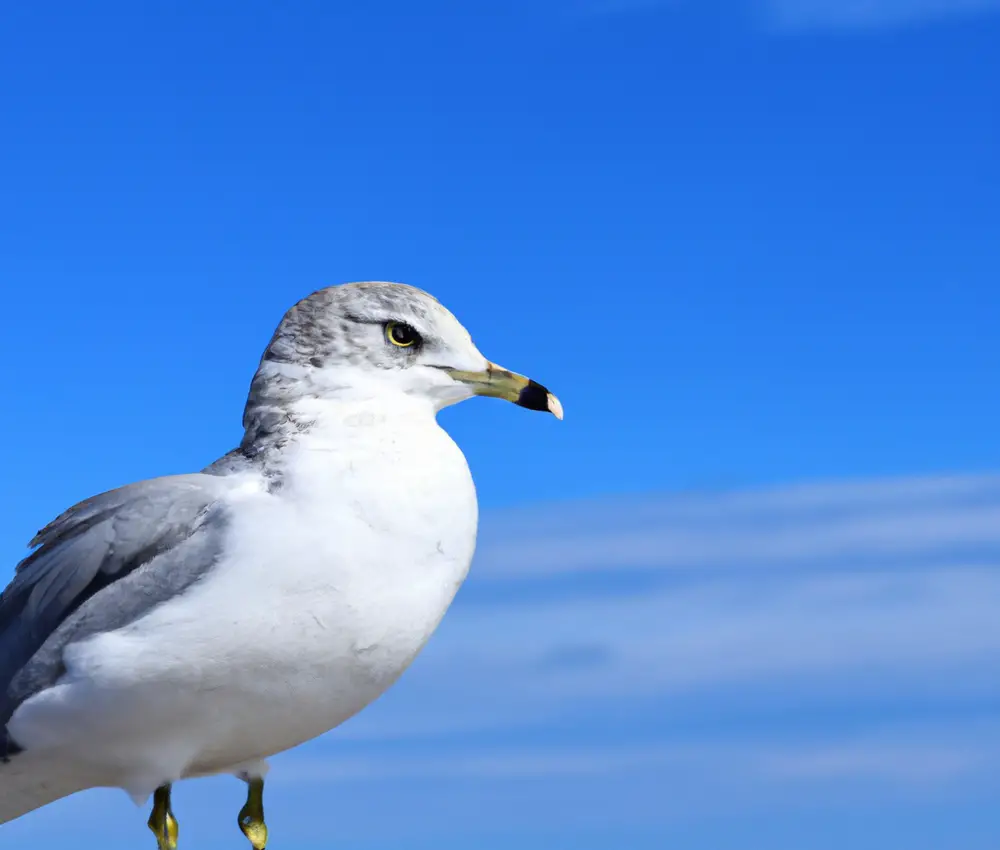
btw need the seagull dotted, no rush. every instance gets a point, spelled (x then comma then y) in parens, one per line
(198, 624)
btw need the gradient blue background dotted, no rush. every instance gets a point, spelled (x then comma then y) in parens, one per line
(749, 244)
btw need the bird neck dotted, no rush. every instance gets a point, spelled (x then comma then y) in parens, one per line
(284, 404)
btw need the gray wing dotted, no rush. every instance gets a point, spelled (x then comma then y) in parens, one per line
(99, 566)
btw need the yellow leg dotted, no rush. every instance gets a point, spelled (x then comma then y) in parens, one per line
(162, 821)
(252, 815)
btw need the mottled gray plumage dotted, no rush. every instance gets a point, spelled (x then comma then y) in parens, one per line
(108, 560)
(332, 324)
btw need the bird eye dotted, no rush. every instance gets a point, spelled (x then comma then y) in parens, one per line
(401, 335)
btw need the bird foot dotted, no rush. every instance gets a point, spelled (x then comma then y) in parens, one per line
(162, 821)
(251, 817)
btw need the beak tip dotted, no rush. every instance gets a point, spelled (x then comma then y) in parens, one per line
(555, 407)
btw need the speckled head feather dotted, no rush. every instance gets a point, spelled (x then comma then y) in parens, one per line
(324, 326)
(343, 326)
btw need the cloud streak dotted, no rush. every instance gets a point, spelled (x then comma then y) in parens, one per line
(798, 15)
(923, 757)
(764, 529)
(794, 16)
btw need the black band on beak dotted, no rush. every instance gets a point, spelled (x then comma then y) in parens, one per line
(534, 397)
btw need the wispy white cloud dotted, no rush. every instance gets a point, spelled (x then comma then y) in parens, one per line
(913, 763)
(889, 518)
(868, 14)
(924, 755)
(805, 15)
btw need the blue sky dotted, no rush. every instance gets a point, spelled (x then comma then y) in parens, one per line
(746, 594)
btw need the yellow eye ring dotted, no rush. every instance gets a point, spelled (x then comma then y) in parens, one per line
(401, 335)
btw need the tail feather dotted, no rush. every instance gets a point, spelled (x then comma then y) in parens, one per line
(29, 781)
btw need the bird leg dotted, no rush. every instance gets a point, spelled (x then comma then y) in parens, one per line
(251, 817)
(162, 820)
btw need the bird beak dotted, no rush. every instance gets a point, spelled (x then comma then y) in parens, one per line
(498, 382)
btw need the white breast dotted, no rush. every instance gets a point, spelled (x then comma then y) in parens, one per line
(330, 587)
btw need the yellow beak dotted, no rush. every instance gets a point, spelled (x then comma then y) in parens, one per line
(498, 382)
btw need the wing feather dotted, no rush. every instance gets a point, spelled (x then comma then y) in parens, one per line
(156, 536)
